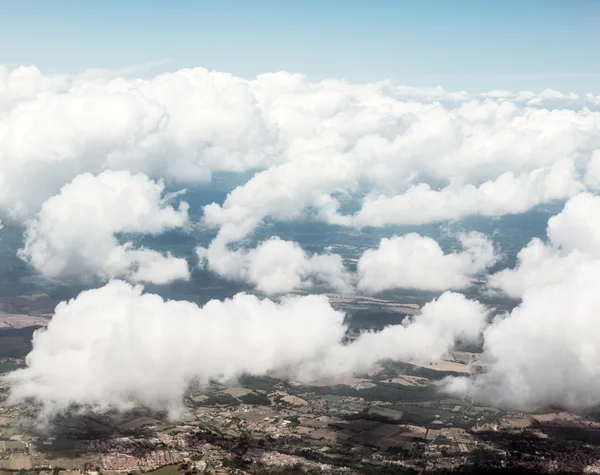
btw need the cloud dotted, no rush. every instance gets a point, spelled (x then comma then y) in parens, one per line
(547, 350)
(276, 266)
(82, 164)
(178, 126)
(418, 262)
(312, 140)
(410, 161)
(118, 326)
(576, 227)
(429, 336)
(73, 236)
(508, 194)
(592, 175)
(573, 239)
(538, 264)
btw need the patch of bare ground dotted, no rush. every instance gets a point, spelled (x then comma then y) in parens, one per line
(17, 462)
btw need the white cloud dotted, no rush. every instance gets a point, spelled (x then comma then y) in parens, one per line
(547, 350)
(276, 266)
(426, 337)
(538, 264)
(71, 148)
(418, 262)
(416, 162)
(73, 236)
(312, 139)
(577, 227)
(592, 175)
(179, 126)
(573, 239)
(117, 326)
(507, 194)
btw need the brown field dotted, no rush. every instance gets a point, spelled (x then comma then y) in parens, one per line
(15, 320)
(553, 416)
(237, 392)
(318, 422)
(443, 366)
(519, 423)
(14, 445)
(352, 382)
(17, 462)
(294, 400)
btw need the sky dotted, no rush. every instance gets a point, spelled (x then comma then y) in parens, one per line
(470, 45)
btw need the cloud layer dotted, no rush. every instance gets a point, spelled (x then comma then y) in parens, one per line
(415, 154)
(84, 159)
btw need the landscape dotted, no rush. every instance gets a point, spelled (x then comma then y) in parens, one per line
(391, 419)
(263, 237)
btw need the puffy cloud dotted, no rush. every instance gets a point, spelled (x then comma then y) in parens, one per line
(73, 362)
(418, 262)
(409, 261)
(409, 155)
(547, 350)
(160, 347)
(592, 175)
(313, 140)
(179, 126)
(429, 336)
(276, 266)
(538, 264)
(508, 194)
(428, 162)
(573, 238)
(576, 227)
(73, 235)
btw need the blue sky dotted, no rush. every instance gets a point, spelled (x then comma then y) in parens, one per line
(473, 45)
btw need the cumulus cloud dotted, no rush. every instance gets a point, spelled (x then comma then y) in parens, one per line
(276, 266)
(73, 235)
(427, 161)
(79, 155)
(418, 262)
(576, 227)
(313, 140)
(573, 238)
(547, 350)
(538, 264)
(118, 326)
(429, 336)
(179, 126)
(507, 194)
